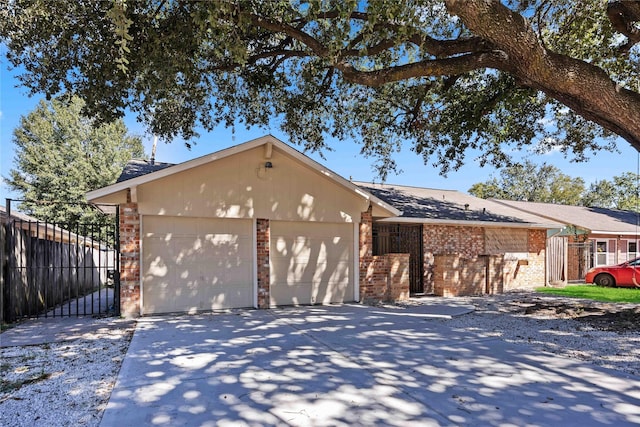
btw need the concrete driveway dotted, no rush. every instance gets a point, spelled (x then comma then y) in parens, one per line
(353, 365)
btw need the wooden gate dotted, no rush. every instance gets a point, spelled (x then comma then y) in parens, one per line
(402, 238)
(578, 261)
(557, 257)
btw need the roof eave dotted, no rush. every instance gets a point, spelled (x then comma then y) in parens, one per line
(459, 222)
(134, 182)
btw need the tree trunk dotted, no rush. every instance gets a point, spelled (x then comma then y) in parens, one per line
(583, 87)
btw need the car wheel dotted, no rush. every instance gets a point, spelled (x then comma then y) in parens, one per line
(605, 280)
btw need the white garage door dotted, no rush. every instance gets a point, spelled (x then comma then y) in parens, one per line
(311, 263)
(194, 264)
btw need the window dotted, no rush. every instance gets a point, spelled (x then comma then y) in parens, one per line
(601, 252)
(633, 249)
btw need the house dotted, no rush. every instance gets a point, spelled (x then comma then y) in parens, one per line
(255, 225)
(441, 228)
(262, 225)
(590, 237)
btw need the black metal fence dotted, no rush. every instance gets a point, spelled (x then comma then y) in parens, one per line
(402, 238)
(54, 270)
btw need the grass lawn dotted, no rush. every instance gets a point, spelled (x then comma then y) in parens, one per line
(597, 293)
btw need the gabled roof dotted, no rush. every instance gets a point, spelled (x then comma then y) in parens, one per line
(140, 172)
(594, 220)
(429, 205)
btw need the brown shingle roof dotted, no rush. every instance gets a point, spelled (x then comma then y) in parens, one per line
(451, 205)
(600, 220)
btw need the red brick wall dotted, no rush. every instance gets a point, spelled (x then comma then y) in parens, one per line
(387, 279)
(465, 241)
(129, 260)
(455, 275)
(398, 277)
(532, 273)
(263, 273)
(375, 284)
(381, 278)
(468, 243)
(365, 252)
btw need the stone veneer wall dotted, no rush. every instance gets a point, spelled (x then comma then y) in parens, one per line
(263, 273)
(129, 260)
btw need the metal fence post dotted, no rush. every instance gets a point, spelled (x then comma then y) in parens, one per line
(5, 294)
(116, 279)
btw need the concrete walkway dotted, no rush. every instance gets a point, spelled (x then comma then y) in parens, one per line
(353, 365)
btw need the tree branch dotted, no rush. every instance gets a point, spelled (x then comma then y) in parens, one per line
(582, 86)
(623, 16)
(436, 67)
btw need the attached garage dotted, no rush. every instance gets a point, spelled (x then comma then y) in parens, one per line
(196, 264)
(255, 225)
(311, 263)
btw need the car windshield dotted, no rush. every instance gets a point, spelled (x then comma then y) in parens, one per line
(635, 262)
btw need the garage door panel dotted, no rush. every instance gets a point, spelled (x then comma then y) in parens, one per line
(314, 273)
(330, 247)
(311, 263)
(193, 264)
(312, 292)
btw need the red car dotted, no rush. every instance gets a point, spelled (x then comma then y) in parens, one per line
(626, 274)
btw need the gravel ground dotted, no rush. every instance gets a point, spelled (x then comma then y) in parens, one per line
(63, 383)
(604, 334)
(69, 383)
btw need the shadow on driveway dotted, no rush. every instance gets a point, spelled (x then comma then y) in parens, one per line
(353, 365)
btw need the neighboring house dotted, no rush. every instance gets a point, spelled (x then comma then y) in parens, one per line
(261, 225)
(444, 224)
(590, 237)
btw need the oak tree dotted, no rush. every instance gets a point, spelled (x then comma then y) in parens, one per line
(622, 192)
(532, 183)
(446, 77)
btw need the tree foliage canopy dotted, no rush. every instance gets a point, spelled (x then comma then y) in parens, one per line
(60, 155)
(547, 184)
(445, 76)
(531, 183)
(619, 193)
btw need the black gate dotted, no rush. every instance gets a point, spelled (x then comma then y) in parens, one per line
(402, 238)
(56, 270)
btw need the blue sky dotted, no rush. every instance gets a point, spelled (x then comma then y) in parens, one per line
(344, 160)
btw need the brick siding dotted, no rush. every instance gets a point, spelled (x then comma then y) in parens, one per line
(465, 241)
(129, 260)
(457, 262)
(383, 277)
(264, 279)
